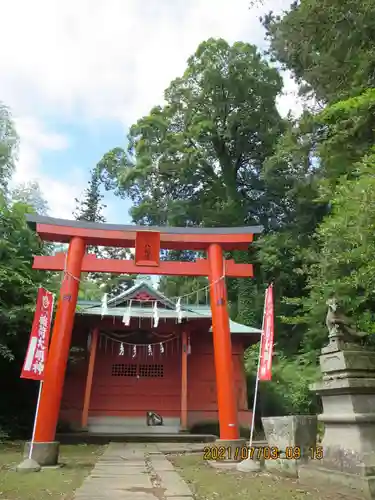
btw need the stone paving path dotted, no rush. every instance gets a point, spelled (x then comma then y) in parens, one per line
(134, 471)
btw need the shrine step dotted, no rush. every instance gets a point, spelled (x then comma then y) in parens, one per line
(102, 439)
(131, 425)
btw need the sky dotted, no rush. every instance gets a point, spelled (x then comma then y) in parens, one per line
(77, 74)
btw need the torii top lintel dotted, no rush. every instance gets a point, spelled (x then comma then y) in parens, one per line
(116, 235)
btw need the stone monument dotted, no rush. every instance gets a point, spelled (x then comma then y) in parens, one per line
(348, 397)
(294, 436)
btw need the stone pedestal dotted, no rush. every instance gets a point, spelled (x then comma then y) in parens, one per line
(253, 458)
(45, 454)
(28, 465)
(348, 396)
(294, 436)
(231, 450)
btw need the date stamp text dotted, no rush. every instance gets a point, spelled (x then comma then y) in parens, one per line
(259, 453)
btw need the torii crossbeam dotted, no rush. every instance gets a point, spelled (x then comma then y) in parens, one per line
(147, 241)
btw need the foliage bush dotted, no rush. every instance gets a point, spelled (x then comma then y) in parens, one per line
(288, 392)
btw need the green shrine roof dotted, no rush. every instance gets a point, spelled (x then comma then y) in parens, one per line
(143, 297)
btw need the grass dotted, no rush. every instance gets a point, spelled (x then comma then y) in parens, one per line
(51, 484)
(209, 483)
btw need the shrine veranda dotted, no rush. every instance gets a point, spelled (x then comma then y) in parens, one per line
(145, 352)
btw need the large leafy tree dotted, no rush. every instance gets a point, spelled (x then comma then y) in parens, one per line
(198, 158)
(18, 287)
(293, 177)
(18, 290)
(337, 259)
(343, 264)
(18, 282)
(329, 48)
(192, 291)
(329, 45)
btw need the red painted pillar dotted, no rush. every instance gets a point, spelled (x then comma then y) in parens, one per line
(225, 389)
(54, 375)
(184, 381)
(90, 375)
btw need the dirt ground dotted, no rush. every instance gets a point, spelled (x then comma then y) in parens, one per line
(51, 484)
(209, 483)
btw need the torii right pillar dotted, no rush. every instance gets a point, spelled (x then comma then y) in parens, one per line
(225, 387)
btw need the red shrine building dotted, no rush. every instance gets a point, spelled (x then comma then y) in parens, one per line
(146, 353)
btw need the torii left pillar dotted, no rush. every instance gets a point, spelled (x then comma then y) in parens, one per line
(46, 449)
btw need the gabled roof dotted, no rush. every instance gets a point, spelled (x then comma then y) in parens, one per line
(142, 291)
(145, 295)
(190, 314)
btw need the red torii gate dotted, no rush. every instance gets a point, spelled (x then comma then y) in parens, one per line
(147, 241)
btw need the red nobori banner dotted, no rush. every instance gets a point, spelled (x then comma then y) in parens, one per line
(36, 355)
(266, 350)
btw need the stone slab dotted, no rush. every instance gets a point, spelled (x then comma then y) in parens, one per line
(125, 481)
(133, 469)
(117, 472)
(120, 495)
(179, 497)
(110, 475)
(122, 474)
(181, 447)
(118, 463)
(173, 484)
(161, 465)
(120, 468)
(132, 453)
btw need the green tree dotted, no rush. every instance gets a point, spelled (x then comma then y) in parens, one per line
(29, 193)
(293, 175)
(343, 264)
(193, 291)
(18, 282)
(286, 394)
(346, 135)
(319, 157)
(18, 291)
(197, 160)
(90, 209)
(329, 45)
(8, 147)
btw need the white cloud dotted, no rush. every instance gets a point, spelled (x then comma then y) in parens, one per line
(34, 139)
(103, 59)
(110, 58)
